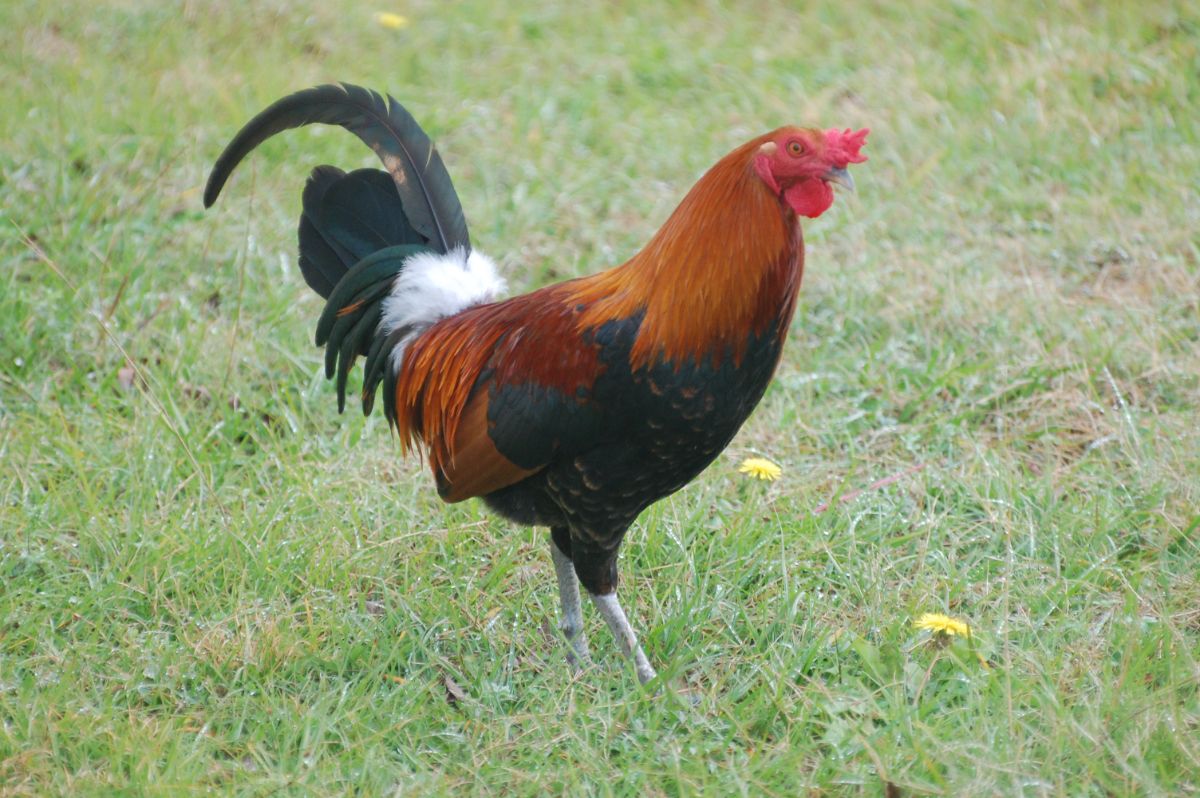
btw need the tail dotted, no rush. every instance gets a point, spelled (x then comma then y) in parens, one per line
(389, 251)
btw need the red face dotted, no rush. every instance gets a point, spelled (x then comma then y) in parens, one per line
(800, 164)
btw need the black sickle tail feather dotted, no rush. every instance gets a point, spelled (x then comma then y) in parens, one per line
(357, 229)
(422, 182)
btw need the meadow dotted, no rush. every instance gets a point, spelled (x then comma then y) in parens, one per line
(211, 582)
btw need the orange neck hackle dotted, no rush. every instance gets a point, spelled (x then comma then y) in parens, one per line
(727, 262)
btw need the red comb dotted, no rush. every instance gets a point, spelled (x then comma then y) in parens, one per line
(844, 145)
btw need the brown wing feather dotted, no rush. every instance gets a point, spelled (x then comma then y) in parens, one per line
(475, 467)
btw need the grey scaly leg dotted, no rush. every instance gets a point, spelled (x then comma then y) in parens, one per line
(571, 623)
(610, 608)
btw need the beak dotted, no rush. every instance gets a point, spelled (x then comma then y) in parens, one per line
(839, 175)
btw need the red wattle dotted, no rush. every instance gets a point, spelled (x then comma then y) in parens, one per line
(809, 198)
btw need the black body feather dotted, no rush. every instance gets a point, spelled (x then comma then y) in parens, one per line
(637, 437)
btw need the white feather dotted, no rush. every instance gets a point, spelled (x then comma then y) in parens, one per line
(433, 286)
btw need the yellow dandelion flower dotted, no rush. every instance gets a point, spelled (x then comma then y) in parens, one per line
(387, 19)
(943, 625)
(760, 468)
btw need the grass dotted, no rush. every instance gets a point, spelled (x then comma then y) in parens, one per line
(211, 582)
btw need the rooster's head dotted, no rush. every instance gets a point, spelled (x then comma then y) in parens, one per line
(800, 164)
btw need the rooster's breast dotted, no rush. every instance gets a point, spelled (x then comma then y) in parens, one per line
(651, 431)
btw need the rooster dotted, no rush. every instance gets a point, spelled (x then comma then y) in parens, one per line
(578, 405)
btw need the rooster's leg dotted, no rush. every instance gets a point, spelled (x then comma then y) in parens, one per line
(610, 608)
(571, 624)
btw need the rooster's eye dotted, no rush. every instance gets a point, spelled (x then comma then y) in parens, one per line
(795, 148)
